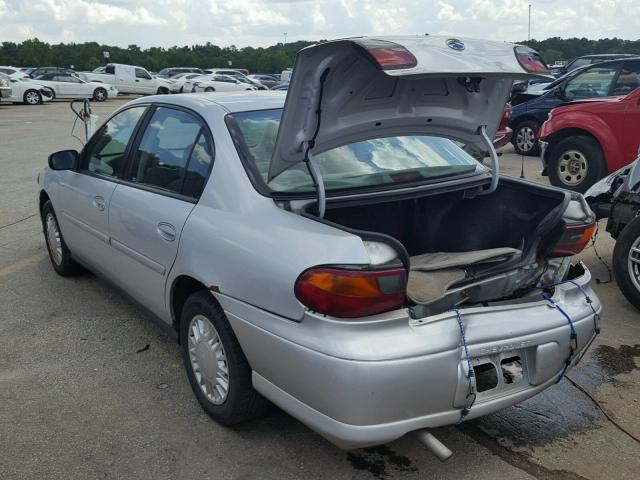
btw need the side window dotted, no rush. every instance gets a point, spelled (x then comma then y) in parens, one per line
(198, 167)
(580, 62)
(110, 69)
(140, 73)
(629, 78)
(105, 154)
(594, 82)
(164, 151)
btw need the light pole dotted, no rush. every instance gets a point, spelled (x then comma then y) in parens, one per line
(285, 39)
(529, 28)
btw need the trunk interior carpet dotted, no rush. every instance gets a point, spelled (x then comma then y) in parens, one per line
(432, 274)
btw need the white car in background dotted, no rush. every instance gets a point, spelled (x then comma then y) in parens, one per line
(26, 91)
(13, 72)
(241, 77)
(179, 80)
(215, 83)
(70, 86)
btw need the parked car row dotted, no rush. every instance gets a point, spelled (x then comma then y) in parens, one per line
(586, 125)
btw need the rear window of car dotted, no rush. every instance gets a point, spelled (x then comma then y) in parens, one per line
(370, 163)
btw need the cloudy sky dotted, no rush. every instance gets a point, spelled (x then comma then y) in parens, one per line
(264, 22)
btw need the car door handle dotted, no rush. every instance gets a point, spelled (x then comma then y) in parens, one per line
(98, 202)
(167, 231)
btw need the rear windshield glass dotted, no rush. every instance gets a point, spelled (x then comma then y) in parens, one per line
(380, 161)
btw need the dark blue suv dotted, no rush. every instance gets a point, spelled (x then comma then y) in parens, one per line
(599, 80)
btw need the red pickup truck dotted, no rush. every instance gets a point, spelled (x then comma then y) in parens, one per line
(583, 141)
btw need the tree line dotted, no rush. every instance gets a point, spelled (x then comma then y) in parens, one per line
(556, 48)
(89, 55)
(273, 59)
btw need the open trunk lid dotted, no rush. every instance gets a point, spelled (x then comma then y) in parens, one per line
(356, 89)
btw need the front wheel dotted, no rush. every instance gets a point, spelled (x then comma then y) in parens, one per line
(576, 163)
(209, 89)
(59, 254)
(32, 97)
(524, 138)
(626, 262)
(218, 371)
(100, 94)
(162, 91)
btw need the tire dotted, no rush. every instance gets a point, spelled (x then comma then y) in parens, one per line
(202, 313)
(628, 279)
(59, 254)
(100, 94)
(576, 163)
(32, 97)
(524, 138)
(209, 89)
(162, 91)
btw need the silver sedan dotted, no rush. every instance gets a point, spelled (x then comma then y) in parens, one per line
(337, 253)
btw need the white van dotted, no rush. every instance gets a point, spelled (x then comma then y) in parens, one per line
(128, 79)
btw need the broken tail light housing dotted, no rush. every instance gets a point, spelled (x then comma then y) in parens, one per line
(531, 61)
(573, 240)
(351, 293)
(388, 55)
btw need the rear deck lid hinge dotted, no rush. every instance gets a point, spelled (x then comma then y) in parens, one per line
(495, 166)
(318, 181)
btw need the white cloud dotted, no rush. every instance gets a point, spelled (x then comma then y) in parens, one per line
(263, 22)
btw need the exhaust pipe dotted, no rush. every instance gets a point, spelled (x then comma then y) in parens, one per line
(434, 445)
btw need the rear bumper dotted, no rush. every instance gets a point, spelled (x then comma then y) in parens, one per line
(367, 383)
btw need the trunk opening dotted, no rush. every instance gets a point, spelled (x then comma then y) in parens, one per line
(462, 249)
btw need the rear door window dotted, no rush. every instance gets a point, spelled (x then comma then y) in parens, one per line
(628, 79)
(594, 82)
(105, 154)
(164, 151)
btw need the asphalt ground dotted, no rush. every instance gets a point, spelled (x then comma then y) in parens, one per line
(91, 388)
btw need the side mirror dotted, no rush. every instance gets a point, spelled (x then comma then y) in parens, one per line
(64, 160)
(558, 92)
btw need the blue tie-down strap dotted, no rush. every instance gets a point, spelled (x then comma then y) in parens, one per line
(471, 394)
(573, 345)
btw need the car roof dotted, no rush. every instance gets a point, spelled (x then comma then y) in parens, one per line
(608, 55)
(244, 101)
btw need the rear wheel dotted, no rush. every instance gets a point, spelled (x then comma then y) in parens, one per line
(626, 262)
(99, 94)
(32, 97)
(576, 163)
(524, 138)
(209, 89)
(59, 254)
(218, 371)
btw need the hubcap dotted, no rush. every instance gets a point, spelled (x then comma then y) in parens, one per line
(526, 139)
(208, 359)
(100, 95)
(572, 167)
(54, 241)
(633, 263)
(32, 98)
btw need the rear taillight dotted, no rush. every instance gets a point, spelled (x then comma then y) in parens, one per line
(573, 240)
(531, 60)
(389, 55)
(346, 293)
